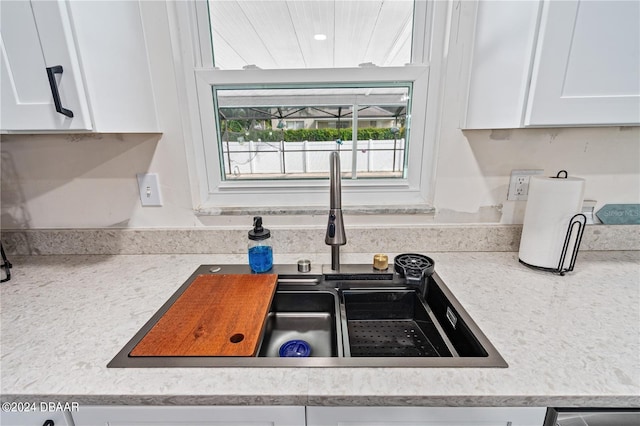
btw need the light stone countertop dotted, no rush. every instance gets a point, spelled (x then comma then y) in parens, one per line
(569, 341)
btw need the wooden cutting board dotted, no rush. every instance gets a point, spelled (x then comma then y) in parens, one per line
(217, 315)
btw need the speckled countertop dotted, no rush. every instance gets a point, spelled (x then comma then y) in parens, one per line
(569, 341)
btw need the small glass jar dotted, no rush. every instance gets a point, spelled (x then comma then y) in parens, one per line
(260, 249)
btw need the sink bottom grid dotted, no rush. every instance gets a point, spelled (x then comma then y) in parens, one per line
(389, 338)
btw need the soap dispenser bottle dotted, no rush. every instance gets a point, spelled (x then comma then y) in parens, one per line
(260, 250)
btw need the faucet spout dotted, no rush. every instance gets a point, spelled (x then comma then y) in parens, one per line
(335, 236)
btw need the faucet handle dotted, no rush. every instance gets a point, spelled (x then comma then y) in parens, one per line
(335, 229)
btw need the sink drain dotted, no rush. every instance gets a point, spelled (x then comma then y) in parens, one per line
(295, 349)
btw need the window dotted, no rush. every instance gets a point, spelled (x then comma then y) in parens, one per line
(310, 34)
(293, 124)
(280, 84)
(255, 143)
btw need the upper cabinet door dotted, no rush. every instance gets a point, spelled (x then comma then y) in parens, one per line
(587, 65)
(500, 57)
(111, 37)
(34, 36)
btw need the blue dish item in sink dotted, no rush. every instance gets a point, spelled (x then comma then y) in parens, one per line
(295, 349)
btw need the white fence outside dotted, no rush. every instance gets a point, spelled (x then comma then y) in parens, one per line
(254, 158)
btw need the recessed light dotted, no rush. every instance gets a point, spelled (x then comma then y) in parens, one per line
(320, 37)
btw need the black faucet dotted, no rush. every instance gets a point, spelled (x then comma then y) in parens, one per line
(335, 228)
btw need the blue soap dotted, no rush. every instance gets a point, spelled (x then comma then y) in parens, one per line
(261, 258)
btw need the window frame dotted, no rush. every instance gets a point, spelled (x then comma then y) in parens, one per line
(212, 193)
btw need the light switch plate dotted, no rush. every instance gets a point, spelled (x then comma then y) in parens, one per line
(519, 184)
(149, 188)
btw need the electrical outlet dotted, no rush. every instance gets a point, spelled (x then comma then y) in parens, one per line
(149, 189)
(519, 184)
(588, 210)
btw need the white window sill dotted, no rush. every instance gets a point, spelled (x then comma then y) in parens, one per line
(314, 210)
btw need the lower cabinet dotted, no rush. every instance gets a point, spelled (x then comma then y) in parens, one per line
(190, 415)
(425, 416)
(34, 418)
(278, 416)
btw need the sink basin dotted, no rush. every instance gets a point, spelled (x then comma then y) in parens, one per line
(357, 317)
(392, 324)
(310, 316)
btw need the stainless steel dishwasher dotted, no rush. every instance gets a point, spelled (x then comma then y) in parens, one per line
(592, 417)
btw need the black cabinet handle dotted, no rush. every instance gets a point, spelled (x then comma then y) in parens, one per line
(6, 265)
(48, 423)
(51, 71)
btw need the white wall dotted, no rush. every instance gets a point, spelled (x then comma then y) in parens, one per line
(474, 166)
(75, 181)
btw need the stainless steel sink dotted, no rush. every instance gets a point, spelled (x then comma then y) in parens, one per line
(311, 316)
(356, 317)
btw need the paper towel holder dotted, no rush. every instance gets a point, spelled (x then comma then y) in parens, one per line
(576, 224)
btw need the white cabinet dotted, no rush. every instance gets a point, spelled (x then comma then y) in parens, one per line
(97, 52)
(111, 41)
(587, 67)
(36, 36)
(425, 416)
(502, 46)
(191, 415)
(552, 63)
(279, 416)
(35, 418)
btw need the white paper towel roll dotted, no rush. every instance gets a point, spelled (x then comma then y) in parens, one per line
(551, 204)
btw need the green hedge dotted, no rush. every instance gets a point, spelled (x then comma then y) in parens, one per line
(300, 135)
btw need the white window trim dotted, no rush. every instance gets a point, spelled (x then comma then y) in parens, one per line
(192, 51)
